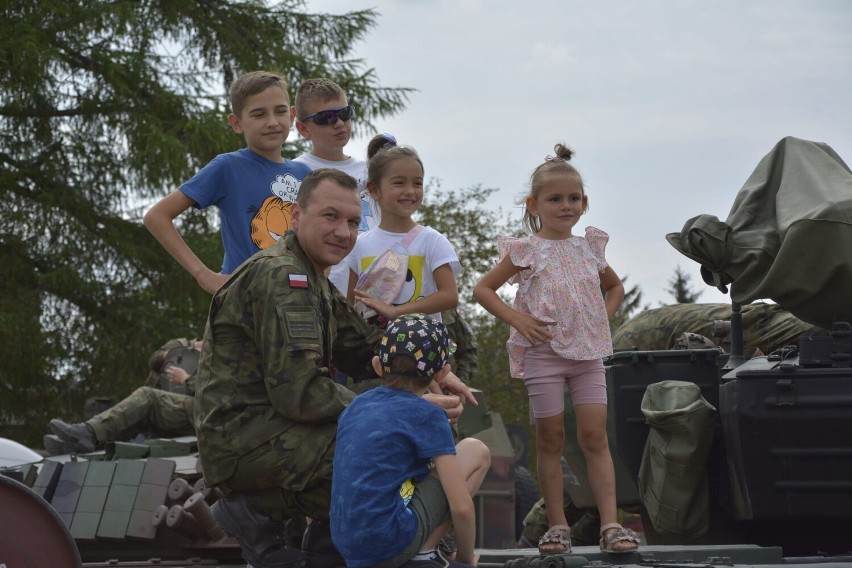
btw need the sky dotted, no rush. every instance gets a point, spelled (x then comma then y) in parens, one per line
(669, 105)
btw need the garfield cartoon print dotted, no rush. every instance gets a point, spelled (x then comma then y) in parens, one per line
(272, 219)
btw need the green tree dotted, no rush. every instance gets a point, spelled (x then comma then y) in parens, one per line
(106, 106)
(679, 288)
(471, 227)
(631, 303)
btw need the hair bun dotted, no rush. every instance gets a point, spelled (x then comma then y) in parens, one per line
(563, 151)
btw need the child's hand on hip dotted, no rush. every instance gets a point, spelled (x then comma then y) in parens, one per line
(533, 330)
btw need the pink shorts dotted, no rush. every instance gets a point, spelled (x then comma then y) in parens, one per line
(545, 374)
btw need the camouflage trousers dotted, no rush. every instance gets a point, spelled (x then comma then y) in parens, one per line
(146, 410)
(284, 490)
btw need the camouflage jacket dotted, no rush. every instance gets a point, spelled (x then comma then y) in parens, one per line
(765, 326)
(272, 332)
(464, 361)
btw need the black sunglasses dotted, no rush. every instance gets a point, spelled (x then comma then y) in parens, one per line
(324, 117)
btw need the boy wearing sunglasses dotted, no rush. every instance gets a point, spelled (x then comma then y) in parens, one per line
(253, 188)
(324, 116)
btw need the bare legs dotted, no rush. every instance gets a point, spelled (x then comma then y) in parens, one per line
(474, 459)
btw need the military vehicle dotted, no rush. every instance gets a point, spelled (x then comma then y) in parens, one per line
(732, 462)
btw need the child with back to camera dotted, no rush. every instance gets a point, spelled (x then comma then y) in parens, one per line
(398, 479)
(395, 182)
(560, 333)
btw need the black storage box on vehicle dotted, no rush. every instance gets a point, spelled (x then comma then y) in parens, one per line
(833, 350)
(628, 375)
(787, 439)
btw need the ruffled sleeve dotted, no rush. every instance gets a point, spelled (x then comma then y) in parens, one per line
(521, 252)
(597, 240)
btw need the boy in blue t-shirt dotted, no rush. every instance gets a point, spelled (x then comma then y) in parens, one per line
(253, 188)
(399, 482)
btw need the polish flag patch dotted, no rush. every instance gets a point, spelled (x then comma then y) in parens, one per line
(298, 281)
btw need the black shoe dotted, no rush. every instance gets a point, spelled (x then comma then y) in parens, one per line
(261, 539)
(55, 446)
(81, 436)
(438, 560)
(319, 551)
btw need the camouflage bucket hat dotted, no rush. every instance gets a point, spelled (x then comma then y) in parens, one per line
(420, 337)
(689, 340)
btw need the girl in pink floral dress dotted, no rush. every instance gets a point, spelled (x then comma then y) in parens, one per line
(560, 333)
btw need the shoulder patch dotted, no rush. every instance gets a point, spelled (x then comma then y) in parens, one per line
(298, 280)
(301, 325)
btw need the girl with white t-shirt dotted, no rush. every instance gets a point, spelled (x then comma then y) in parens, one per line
(395, 182)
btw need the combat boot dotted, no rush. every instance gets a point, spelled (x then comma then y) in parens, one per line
(319, 551)
(261, 539)
(81, 436)
(55, 446)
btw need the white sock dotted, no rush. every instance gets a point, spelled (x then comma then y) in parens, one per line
(426, 555)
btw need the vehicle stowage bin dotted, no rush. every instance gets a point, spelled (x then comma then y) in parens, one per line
(673, 476)
(628, 375)
(787, 439)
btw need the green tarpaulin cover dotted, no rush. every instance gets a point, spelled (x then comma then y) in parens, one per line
(788, 236)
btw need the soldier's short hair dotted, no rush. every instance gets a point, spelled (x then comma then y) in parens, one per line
(313, 179)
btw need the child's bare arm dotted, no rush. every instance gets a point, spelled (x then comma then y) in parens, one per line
(485, 292)
(613, 291)
(160, 222)
(445, 297)
(462, 511)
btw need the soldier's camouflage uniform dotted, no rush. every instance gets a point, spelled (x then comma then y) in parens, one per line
(765, 326)
(149, 409)
(266, 405)
(463, 361)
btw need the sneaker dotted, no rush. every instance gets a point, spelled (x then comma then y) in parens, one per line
(261, 542)
(55, 446)
(438, 560)
(319, 551)
(81, 436)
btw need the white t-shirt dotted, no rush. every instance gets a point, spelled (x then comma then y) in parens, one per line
(370, 216)
(429, 251)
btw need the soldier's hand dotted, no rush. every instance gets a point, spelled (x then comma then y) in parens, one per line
(453, 384)
(452, 404)
(176, 375)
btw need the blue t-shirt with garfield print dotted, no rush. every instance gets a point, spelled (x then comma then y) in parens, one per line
(386, 440)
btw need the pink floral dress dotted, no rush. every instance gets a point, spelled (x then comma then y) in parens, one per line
(560, 283)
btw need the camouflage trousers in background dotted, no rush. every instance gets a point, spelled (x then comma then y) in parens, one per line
(585, 523)
(146, 410)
